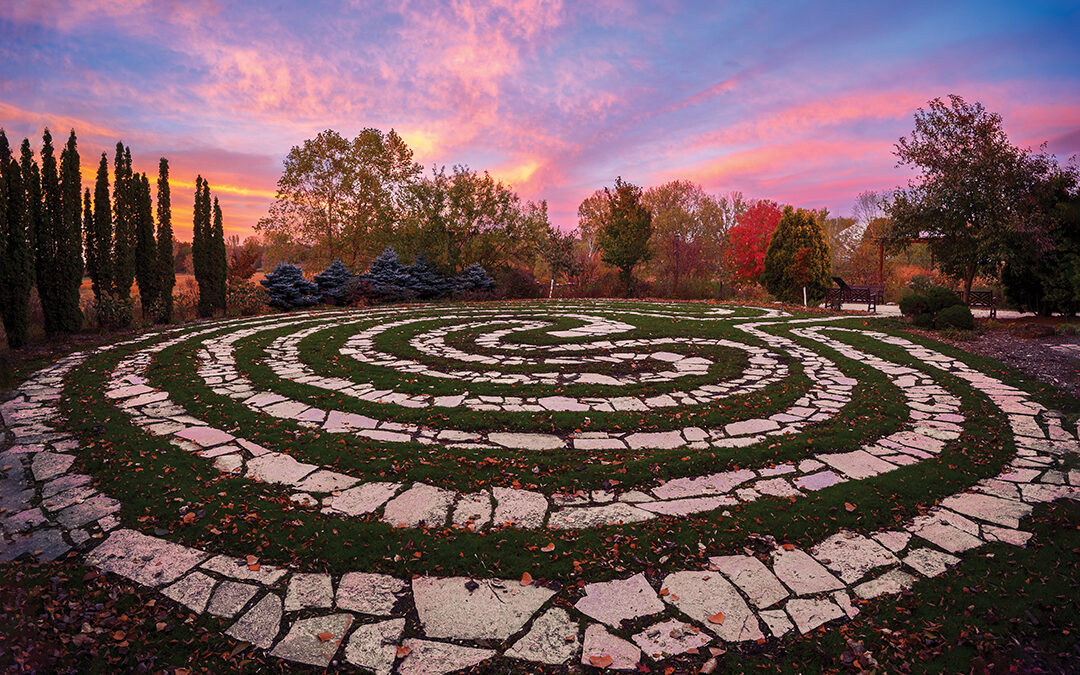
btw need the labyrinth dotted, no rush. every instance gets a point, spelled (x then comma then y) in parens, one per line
(517, 486)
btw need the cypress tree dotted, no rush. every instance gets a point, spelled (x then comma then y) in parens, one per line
(88, 240)
(165, 260)
(201, 247)
(31, 180)
(146, 269)
(69, 268)
(124, 218)
(49, 239)
(219, 262)
(99, 246)
(16, 255)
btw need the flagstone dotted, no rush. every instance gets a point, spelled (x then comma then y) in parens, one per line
(466, 609)
(48, 464)
(802, 574)
(670, 638)
(230, 597)
(420, 505)
(809, 613)
(368, 593)
(192, 591)
(752, 576)
(260, 625)
(701, 595)
(1004, 512)
(600, 646)
(309, 590)
(307, 640)
(552, 639)
(851, 556)
(621, 599)
(890, 583)
(428, 657)
(362, 499)
(523, 508)
(929, 562)
(147, 560)
(373, 646)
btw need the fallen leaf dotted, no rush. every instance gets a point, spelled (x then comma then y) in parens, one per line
(789, 547)
(402, 652)
(602, 661)
(526, 579)
(325, 637)
(849, 507)
(717, 618)
(549, 548)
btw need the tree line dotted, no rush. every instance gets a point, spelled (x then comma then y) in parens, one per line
(52, 231)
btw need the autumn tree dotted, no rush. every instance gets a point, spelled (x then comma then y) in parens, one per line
(748, 240)
(688, 232)
(340, 196)
(797, 258)
(592, 213)
(16, 255)
(975, 193)
(624, 236)
(244, 258)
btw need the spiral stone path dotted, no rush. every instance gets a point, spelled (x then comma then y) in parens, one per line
(545, 424)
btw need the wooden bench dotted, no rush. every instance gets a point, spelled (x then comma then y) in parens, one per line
(871, 295)
(983, 299)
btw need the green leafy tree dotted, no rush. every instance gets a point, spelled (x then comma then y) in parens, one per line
(624, 235)
(975, 195)
(146, 269)
(16, 256)
(339, 196)
(69, 270)
(124, 216)
(99, 237)
(797, 258)
(165, 261)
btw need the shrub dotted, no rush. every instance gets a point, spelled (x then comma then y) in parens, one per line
(288, 289)
(1067, 329)
(955, 316)
(473, 280)
(244, 298)
(112, 311)
(924, 320)
(925, 306)
(913, 304)
(186, 301)
(938, 298)
(332, 282)
(797, 258)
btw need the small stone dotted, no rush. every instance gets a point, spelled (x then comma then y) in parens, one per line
(304, 642)
(552, 639)
(366, 593)
(374, 645)
(261, 623)
(614, 601)
(600, 645)
(309, 590)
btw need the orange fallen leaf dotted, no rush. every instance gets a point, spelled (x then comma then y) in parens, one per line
(189, 518)
(526, 579)
(548, 549)
(602, 661)
(789, 547)
(663, 592)
(325, 637)
(251, 560)
(849, 507)
(717, 618)
(402, 652)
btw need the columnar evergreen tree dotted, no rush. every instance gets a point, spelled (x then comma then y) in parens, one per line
(166, 270)
(797, 257)
(146, 268)
(49, 239)
(124, 218)
(99, 240)
(16, 256)
(69, 270)
(201, 247)
(219, 262)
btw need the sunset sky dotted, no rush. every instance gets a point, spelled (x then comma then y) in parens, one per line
(797, 102)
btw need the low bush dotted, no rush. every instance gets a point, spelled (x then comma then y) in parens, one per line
(955, 316)
(112, 312)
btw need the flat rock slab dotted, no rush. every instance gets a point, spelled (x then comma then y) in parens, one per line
(362, 499)
(802, 574)
(193, 591)
(852, 555)
(701, 595)
(523, 508)
(929, 562)
(48, 465)
(309, 590)
(146, 560)
(890, 583)
(818, 481)
(94, 508)
(525, 441)
(670, 638)
(857, 464)
(205, 436)
(261, 623)
(752, 576)
(418, 506)
(427, 657)
(230, 597)
(778, 621)
(327, 481)
(307, 641)
(808, 613)
(239, 569)
(366, 593)
(494, 609)
(601, 647)
(1004, 512)
(613, 601)
(278, 468)
(373, 646)
(473, 511)
(552, 639)
(579, 518)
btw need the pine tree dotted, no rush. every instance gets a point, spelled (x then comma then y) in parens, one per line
(124, 219)
(69, 270)
(288, 289)
(49, 239)
(387, 279)
(16, 255)
(219, 263)
(146, 270)
(797, 257)
(332, 283)
(427, 282)
(99, 242)
(165, 260)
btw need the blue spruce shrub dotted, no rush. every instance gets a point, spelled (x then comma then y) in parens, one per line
(288, 289)
(387, 280)
(332, 283)
(473, 280)
(426, 281)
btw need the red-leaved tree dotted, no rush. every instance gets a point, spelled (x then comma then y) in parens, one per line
(749, 238)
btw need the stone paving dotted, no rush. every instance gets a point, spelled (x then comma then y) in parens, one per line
(362, 619)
